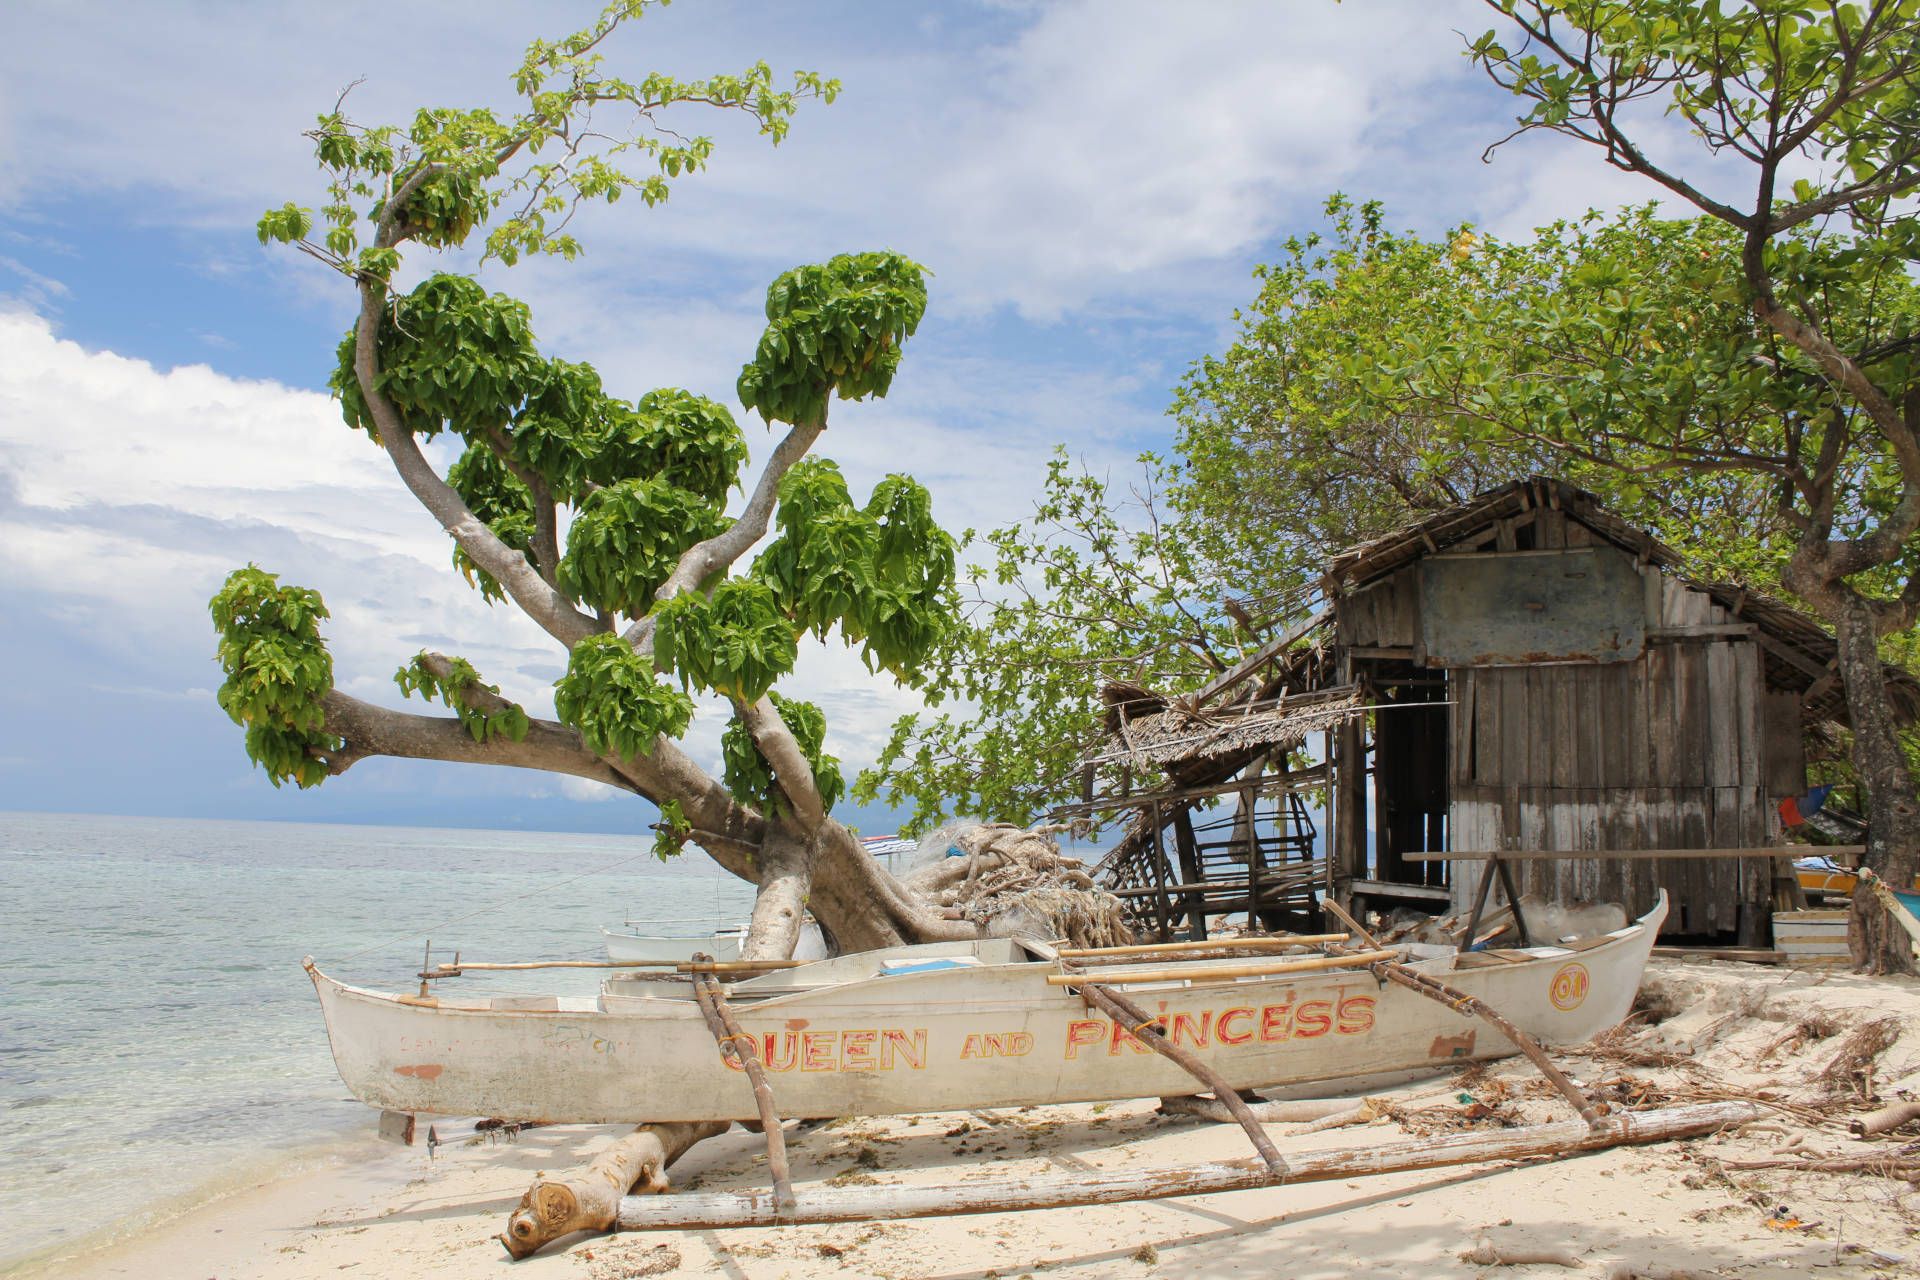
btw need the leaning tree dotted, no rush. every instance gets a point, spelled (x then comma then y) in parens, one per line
(602, 520)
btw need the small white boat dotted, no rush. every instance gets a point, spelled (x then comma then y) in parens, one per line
(721, 944)
(952, 1026)
(653, 948)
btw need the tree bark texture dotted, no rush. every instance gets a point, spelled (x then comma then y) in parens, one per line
(1877, 943)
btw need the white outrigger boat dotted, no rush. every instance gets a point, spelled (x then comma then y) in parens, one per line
(958, 1026)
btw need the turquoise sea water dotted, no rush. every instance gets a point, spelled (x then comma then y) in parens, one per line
(156, 1030)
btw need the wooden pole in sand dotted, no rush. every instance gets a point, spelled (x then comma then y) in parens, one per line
(1461, 1002)
(741, 1048)
(819, 1203)
(1148, 1031)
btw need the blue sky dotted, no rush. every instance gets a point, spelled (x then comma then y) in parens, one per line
(1091, 183)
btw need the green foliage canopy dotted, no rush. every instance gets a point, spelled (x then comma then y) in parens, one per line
(836, 328)
(602, 497)
(278, 671)
(749, 777)
(611, 695)
(453, 686)
(1098, 586)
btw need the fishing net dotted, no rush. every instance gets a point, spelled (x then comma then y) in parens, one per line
(1015, 883)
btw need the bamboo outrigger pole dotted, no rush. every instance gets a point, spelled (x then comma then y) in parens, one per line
(1148, 1031)
(457, 967)
(1204, 971)
(818, 1203)
(741, 1048)
(1265, 943)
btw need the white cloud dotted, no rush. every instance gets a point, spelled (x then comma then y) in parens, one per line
(587, 791)
(128, 492)
(1042, 157)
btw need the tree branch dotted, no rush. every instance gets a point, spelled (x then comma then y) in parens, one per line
(539, 599)
(704, 559)
(776, 742)
(368, 730)
(546, 534)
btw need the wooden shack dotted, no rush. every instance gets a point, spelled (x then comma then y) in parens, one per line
(1526, 675)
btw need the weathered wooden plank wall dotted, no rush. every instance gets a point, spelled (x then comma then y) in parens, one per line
(1668, 751)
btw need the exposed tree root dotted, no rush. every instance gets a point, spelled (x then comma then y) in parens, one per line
(1012, 881)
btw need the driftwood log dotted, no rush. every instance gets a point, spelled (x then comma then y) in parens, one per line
(1485, 1253)
(1886, 1118)
(818, 1203)
(589, 1199)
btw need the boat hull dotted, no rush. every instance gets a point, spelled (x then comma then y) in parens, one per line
(634, 948)
(838, 1043)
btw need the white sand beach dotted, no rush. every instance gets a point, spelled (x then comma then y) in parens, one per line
(1743, 1031)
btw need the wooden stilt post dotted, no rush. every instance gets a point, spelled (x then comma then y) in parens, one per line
(1513, 900)
(1147, 1031)
(1434, 989)
(738, 1045)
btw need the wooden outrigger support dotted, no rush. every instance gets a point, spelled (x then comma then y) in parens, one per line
(1434, 989)
(1155, 949)
(696, 1209)
(459, 966)
(1148, 1031)
(739, 1046)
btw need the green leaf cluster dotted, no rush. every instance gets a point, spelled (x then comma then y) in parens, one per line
(626, 538)
(500, 499)
(577, 437)
(751, 780)
(1097, 586)
(450, 355)
(445, 206)
(612, 696)
(418, 677)
(833, 328)
(672, 832)
(584, 136)
(883, 573)
(278, 670)
(735, 642)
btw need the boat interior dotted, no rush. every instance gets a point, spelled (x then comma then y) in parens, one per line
(636, 992)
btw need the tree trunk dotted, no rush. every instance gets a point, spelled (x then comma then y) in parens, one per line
(1877, 943)
(786, 868)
